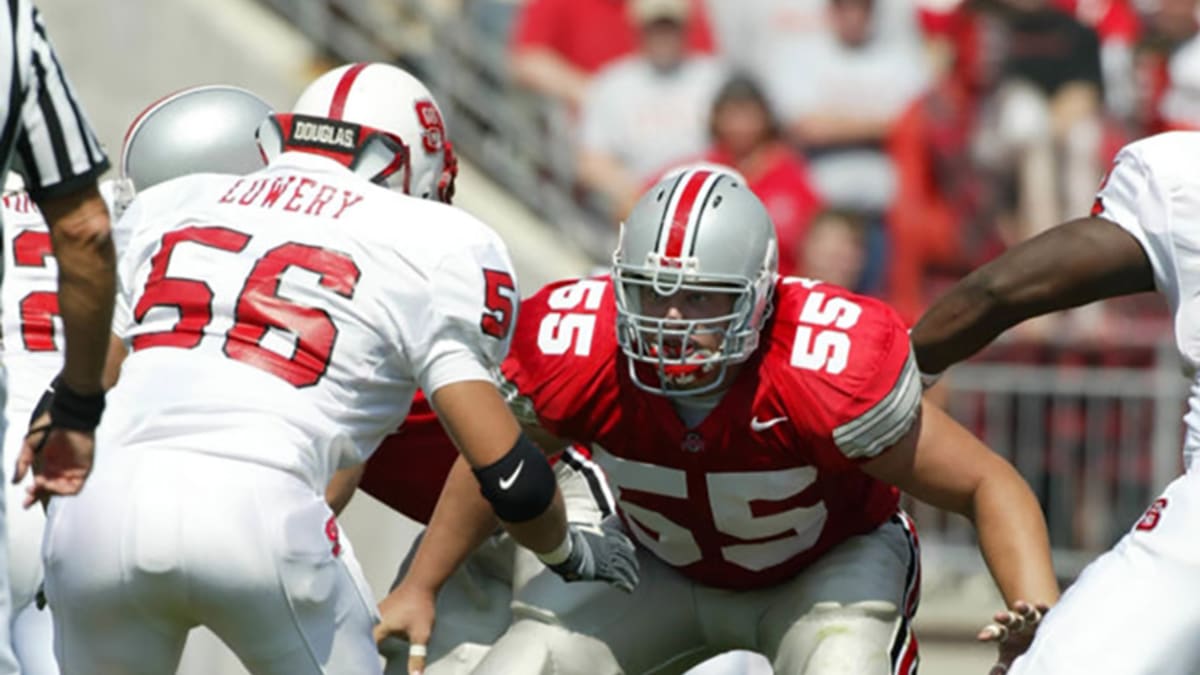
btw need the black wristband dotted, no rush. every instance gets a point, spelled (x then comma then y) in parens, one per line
(75, 411)
(520, 485)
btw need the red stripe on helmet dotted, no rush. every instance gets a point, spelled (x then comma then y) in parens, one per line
(682, 214)
(338, 105)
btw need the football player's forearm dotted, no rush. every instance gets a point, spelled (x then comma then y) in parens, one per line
(1013, 538)
(83, 247)
(544, 533)
(1067, 266)
(461, 521)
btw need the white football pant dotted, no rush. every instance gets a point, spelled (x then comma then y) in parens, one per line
(162, 540)
(31, 629)
(8, 660)
(1136, 609)
(849, 612)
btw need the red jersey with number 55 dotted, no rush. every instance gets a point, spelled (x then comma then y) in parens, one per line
(286, 317)
(767, 482)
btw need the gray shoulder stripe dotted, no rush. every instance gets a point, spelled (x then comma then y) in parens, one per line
(887, 421)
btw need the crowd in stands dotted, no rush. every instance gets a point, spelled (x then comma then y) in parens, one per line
(897, 143)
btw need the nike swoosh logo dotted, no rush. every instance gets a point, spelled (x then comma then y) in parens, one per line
(755, 425)
(506, 483)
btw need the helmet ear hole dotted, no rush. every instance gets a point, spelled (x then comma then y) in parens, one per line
(385, 160)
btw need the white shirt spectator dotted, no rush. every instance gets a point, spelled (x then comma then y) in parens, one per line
(878, 79)
(1180, 106)
(777, 38)
(649, 119)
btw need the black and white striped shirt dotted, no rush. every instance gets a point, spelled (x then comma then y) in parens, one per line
(43, 121)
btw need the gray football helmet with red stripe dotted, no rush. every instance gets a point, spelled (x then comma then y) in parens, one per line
(376, 119)
(206, 129)
(700, 230)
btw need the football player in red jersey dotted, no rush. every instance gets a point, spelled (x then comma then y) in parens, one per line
(756, 433)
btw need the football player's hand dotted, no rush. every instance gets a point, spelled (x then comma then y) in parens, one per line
(600, 554)
(1012, 631)
(61, 460)
(407, 613)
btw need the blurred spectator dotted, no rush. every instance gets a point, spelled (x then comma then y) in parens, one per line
(841, 103)
(834, 250)
(558, 45)
(647, 111)
(746, 136)
(1043, 123)
(1118, 28)
(1180, 108)
(1165, 62)
(775, 38)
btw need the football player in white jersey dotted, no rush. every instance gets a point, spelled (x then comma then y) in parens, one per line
(159, 145)
(1133, 610)
(278, 324)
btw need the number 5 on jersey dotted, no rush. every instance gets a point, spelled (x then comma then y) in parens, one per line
(822, 342)
(566, 328)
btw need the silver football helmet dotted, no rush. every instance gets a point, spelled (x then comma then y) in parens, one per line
(699, 230)
(206, 129)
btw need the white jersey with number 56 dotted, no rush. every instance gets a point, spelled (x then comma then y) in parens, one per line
(286, 317)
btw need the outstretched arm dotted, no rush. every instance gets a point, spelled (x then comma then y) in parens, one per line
(941, 463)
(1070, 265)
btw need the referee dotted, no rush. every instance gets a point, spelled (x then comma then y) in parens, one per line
(58, 150)
(44, 126)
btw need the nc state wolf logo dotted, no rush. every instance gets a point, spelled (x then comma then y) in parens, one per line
(434, 129)
(1150, 519)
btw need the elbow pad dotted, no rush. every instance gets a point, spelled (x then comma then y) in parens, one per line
(520, 485)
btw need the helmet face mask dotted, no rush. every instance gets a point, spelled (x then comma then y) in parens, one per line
(730, 248)
(690, 354)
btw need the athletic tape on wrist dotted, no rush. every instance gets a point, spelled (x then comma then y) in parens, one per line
(561, 553)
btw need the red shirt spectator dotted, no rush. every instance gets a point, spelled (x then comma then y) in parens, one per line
(592, 33)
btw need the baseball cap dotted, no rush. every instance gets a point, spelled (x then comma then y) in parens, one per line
(646, 11)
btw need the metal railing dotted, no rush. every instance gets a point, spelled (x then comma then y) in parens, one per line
(1095, 443)
(521, 141)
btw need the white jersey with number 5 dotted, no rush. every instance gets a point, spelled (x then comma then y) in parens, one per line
(1153, 192)
(287, 317)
